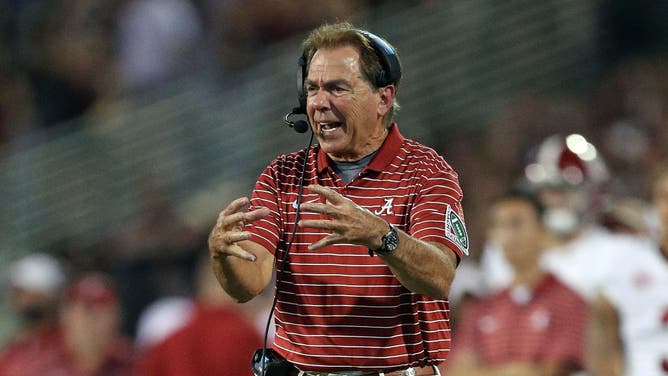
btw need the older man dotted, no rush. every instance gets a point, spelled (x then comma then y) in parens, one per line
(369, 192)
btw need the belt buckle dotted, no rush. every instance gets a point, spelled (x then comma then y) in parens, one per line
(409, 371)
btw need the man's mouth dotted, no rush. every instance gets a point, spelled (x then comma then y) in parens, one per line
(328, 127)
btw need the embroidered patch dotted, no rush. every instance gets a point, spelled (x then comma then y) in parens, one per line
(455, 230)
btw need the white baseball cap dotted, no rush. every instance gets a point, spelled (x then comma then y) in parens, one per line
(37, 272)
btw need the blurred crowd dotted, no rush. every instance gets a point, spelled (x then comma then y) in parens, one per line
(566, 200)
(64, 59)
(72, 326)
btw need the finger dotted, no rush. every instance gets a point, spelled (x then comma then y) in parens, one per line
(235, 206)
(233, 237)
(322, 224)
(327, 240)
(243, 217)
(329, 194)
(236, 251)
(230, 220)
(320, 208)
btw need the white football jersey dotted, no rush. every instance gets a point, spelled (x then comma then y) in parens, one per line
(585, 262)
(639, 291)
(582, 263)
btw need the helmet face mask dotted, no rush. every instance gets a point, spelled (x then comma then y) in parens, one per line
(566, 174)
(565, 210)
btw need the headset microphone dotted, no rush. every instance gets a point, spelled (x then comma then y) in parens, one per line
(300, 126)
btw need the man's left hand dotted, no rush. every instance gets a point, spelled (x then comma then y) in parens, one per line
(348, 222)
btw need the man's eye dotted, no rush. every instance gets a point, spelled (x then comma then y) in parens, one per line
(340, 90)
(311, 89)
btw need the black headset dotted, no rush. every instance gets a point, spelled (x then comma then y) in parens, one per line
(390, 73)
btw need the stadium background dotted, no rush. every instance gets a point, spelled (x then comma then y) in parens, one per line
(132, 179)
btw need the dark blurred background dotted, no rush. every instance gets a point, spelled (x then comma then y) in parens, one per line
(126, 125)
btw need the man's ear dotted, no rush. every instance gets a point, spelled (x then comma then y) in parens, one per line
(387, 94)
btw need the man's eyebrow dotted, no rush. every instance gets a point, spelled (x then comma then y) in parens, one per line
(335, 82)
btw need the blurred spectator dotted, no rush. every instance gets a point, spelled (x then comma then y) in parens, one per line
(567, 175)
(630, 117)
(535, 326)
(16, 109)
(216, 340)
(86, 341)
(248, 26)
(155, 254)
(156, 40)
(63, 47)
(35, 283)
(90, 322)
(161, 319)
(629, 330)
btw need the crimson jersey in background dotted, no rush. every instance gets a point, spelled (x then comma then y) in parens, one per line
(45, 354)
(216, 341)
(547, 325)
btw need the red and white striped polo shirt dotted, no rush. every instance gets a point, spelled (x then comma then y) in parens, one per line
(339, 309)
(546, 325)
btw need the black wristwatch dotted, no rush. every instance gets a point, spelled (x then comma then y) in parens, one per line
(390, 243)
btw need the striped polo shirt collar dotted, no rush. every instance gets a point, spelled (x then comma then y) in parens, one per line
(388, 150)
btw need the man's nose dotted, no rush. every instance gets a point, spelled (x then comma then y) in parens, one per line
(320, 100)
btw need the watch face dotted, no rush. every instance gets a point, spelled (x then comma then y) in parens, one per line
(390, 240)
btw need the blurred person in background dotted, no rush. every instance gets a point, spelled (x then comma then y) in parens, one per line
(86, 340)
(90, 328)
(567, 175)
(245, 27)
(630, 119)
(156, 40)
(64, 50)
(154, 253)
(535, 326)
(215, 337)
(35, 283)
(629, 327)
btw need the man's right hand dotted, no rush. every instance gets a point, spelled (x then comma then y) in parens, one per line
(228, 230)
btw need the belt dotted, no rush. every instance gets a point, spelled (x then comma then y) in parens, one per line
(412, 371)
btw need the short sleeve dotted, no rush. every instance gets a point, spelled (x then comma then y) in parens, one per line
(267, 231)
(437, 214)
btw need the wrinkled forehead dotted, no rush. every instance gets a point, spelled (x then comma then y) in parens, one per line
(335, 62)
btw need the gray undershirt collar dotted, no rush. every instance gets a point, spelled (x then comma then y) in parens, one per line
(347, 171)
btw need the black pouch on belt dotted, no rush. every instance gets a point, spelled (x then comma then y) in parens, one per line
(274, 364)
